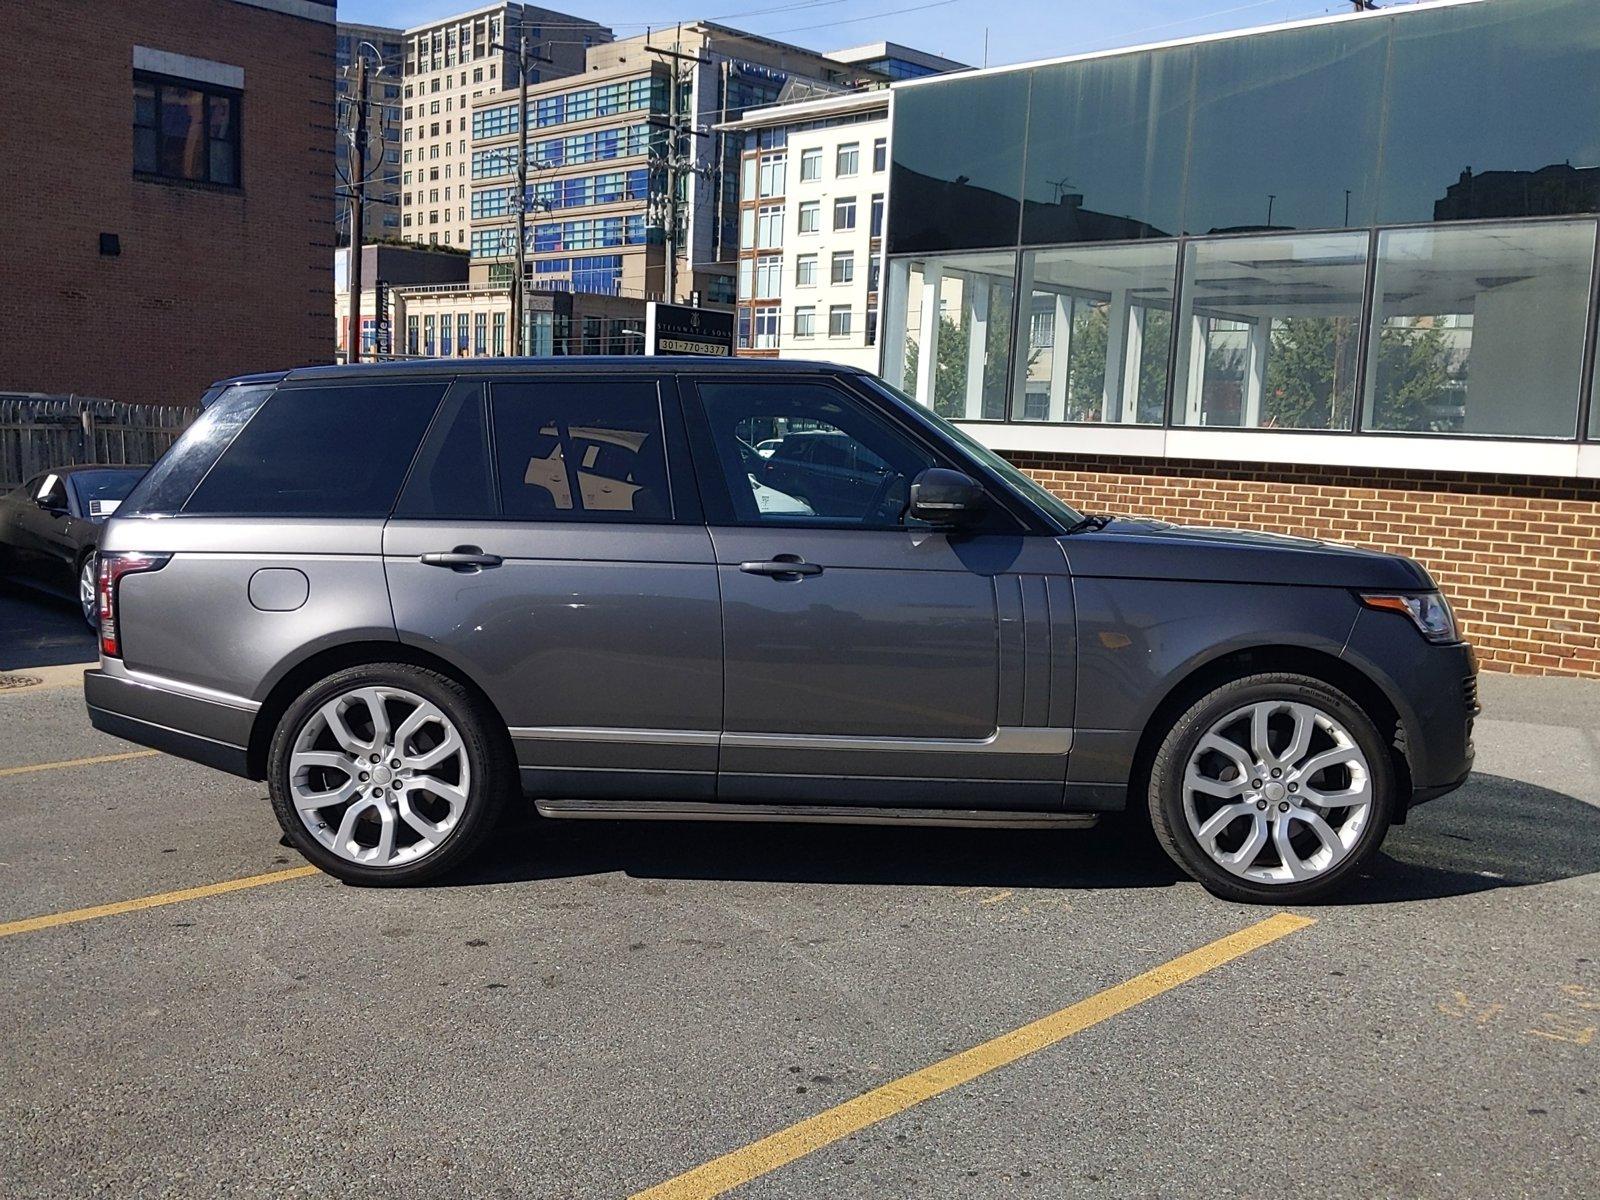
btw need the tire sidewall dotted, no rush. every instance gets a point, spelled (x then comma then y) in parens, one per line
(1166, 785)
(485, 759)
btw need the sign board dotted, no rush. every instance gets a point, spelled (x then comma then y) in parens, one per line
(679, 329)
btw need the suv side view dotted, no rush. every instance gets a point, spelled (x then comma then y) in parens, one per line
(405, 595)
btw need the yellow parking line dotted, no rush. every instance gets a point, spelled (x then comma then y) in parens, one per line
(778, 1149)
(73, 916)
(77, 762)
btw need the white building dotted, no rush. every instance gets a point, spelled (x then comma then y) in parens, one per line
(814, 187)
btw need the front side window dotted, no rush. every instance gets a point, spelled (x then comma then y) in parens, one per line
(185, 131)
(293, 457)
(581, 451)
(809, 454)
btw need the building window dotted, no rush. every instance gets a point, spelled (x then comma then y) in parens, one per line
(847, 161)
(499, 334)
(844, 213)
(185, 131)
(480, 333)
(875, 228)
(427, 336)
(766, 328)
(769, 276)
(461, 333)
(880, 154)
(446, 336)
(770, 176)
(811, 164)
(805, 271)
(805, 322)
(769, 226)
(844, 266)
(839, 320)
(412, 344)
(811, 217)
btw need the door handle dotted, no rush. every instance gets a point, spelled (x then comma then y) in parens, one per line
(462, 558)
(781, 567)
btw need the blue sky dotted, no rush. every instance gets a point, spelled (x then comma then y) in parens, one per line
(1018, 30)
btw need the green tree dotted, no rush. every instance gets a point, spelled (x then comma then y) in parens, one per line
(1411, 379)
(1311, 370)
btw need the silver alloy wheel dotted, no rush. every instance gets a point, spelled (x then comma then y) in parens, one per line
(379, 776)
(87, 599)
(1277, 792)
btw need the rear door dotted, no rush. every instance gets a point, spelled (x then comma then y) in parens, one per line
(870, 661)
(550, 542)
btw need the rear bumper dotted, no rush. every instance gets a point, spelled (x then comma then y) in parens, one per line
(200, 728)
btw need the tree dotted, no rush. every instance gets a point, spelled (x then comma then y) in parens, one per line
(1412, 380)
(1311, 370)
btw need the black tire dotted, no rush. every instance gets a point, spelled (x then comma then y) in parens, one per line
(1166, 801)
(91, 614)
(488, 749)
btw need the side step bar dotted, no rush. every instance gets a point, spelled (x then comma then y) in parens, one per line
(670, 810)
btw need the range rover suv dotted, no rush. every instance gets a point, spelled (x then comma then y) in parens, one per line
(407, 595)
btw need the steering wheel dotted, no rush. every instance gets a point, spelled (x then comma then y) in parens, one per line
(881, 495)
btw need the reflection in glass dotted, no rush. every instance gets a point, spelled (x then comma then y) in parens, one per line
(1099, 326)
(958, 334)
(1270, 331)
(1479, 329)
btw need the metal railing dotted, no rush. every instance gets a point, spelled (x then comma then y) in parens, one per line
(40, 432)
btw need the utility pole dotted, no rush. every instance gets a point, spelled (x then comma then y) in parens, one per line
(358, 192)
(678, 165)
(519, 331)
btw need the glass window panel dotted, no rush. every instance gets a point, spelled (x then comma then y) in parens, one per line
(183, 133)
(1479, 329)
(1286, 129)
(1491, 112)
(223, 162)
(1098, 324)
(1269, 335)
(1106, 148)
(957, 180)
(959, 320)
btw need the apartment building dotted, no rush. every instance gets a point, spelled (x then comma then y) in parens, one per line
(385, 54)
(450, 63)
(813, 186)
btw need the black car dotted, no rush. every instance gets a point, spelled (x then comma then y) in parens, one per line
(50, 526)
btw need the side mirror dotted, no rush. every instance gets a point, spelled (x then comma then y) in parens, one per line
(947, 498)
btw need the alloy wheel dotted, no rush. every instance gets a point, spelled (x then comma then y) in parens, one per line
(1278, 792)
(87, 599)
(379, 776)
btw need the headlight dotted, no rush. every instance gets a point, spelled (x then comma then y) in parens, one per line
(1427, 610)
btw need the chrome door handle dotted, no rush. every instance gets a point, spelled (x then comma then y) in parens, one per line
(462, 558)
(783, 567)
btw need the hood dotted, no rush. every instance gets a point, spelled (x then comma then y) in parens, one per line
(1140, 549)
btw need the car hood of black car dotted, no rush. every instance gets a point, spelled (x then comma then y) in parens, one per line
(1127, 548)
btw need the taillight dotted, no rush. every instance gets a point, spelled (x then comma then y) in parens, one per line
(113, 566)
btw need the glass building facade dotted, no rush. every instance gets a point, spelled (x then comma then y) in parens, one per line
(1379, 224)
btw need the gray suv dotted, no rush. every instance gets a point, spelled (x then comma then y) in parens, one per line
(403, 595)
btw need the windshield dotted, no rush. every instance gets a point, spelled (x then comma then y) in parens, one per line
(1052, 504)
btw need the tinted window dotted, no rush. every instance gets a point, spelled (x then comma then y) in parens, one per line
(581, 451)
(451, 477)
(827, 459)
(321, 452)
(169, 483)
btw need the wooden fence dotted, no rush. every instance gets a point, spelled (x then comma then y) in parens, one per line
(39, 432)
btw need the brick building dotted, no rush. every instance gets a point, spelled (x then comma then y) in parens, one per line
(168, 219)
(1336, 278)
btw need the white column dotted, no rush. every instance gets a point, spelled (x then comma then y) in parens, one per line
(977, 298)
(1060, 357)
(892, 343)
(1194, 385)
(1255, 376)
(928, 335)
(1133, 363)
(1116, 344)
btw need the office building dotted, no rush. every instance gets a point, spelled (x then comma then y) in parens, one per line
(893, 61)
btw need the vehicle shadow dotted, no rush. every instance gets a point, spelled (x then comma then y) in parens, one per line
(1494, 833)
(41, 630)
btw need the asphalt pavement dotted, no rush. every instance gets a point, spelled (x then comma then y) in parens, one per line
(598, 1010)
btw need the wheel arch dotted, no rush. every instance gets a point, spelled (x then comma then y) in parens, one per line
(1318, 664)
(327, 660)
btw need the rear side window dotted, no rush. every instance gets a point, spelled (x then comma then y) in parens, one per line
(588, 450)
(321, 452)
(451, 477)
(172, 480)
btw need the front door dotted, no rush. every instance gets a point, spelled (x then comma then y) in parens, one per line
(868, 661)
(568, 571)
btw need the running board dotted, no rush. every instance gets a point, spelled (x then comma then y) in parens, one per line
(669, 810)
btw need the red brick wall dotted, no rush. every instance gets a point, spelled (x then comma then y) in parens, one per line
(210, 282)
(1518, 556)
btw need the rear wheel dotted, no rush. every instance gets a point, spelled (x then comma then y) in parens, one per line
(1272, 789)
(87, 599)
(388, 774)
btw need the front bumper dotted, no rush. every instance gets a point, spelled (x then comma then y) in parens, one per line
(204, 729)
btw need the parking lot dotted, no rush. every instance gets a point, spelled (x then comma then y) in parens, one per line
(614, 1009)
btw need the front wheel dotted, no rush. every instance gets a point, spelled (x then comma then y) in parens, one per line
(88, 600)
(1272, 789)
(388, 774)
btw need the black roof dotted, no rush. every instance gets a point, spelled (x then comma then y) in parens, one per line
(613, 363)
